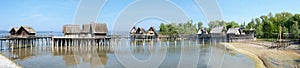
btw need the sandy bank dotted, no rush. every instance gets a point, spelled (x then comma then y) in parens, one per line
(7, 63)
(264, 57)
(257, 60)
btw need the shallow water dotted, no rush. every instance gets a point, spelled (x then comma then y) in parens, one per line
(129, 53)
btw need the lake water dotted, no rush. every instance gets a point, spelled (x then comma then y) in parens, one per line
(123, 53)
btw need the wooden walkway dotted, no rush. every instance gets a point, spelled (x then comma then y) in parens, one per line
(51, 41)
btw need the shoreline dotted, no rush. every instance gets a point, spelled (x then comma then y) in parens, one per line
(265, 57)
(258, 62)
(7, 63)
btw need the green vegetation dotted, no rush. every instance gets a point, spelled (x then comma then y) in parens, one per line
(266, 26)
(180, 28)
(270, 26)
(217, 23)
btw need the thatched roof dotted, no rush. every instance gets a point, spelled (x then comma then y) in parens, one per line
(152, 29)
(15, 29)
(140, 31)
(133, 30)
(217, 30)
(233, 30)
(100, 28)
(28, 29)
(202, 31)
(71, 29)
(86, 28)
(94, 27)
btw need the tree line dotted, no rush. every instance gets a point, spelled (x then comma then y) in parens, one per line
(283, 24)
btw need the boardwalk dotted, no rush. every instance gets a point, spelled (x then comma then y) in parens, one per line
(6, 63)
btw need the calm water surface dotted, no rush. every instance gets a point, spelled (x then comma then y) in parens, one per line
(129, 53)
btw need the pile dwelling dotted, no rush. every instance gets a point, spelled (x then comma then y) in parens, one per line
(140, 33)
(74, 35)
(89, 34)
(22, 37)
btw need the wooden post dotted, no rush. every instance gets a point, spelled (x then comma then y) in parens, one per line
(12, 48)
(0, 44)
(61, 43)
(20, 41)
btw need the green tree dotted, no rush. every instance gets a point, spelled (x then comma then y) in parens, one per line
(295, 30)
(268, 28)
(216, 23)
(258, 28)
(285, 31)
(163, 29)
(200, 25)
(171, 29)
(231, 24)
(251, 24)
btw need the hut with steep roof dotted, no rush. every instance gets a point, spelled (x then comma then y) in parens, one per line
(94, 30)
(140, 33)
(86, 30)
(99, 29)
(25, 31)
(240, 34)
(218, 32)
(133, 31)
(71, 30)
(13, 31)
(233, 31)
(151, 33)
(202, 33)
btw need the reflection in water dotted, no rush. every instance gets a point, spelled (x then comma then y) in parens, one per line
(208, 54)
(22, 53)
(96, 56)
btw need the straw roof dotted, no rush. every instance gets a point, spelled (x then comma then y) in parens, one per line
(71, 29)
(233, 30)
(217, 30)
(15, 29)
(28, 29)
(152, 29)
(100, 28)
(133, 30)
(140, 31)
(86, 28)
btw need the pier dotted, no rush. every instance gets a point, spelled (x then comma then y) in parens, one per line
(51, 41)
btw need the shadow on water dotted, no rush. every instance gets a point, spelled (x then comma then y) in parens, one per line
(206, 53)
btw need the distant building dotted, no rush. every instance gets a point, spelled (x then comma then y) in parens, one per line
(88, 30)
(233, 31)
(239, 34)
(140, 33)
(13, 31)
(202, 33)
(151, 33)
(23, 31)
(218, 32)
(133, 31)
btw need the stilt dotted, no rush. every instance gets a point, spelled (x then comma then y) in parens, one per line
(52, 45)
(61, 43)
(0, 44)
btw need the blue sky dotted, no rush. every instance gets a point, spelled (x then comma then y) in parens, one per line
(51, 15)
